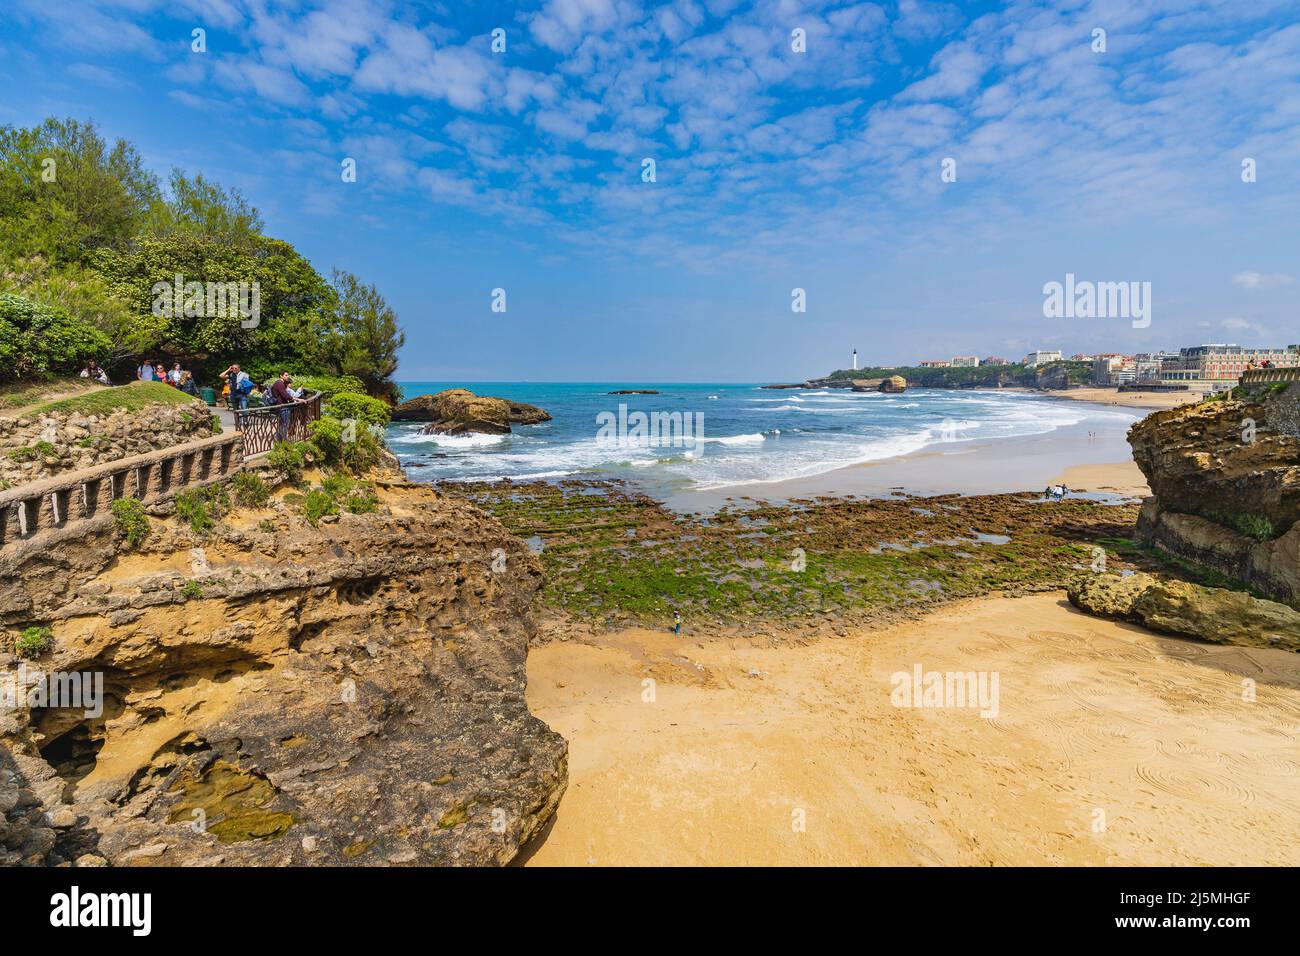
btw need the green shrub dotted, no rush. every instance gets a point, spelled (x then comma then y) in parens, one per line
(37, 339)
(33, 642)
(330, 385)
(201, 507)
(361, 407)
(131, 521)
(317, 504)
(356, 497)
(330, 437)
(250, 490)
(289, 458)
(192, 589)
(24, 453)
(1256, 526)
(216, 424)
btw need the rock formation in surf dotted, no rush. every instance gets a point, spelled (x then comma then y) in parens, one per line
(458, 411)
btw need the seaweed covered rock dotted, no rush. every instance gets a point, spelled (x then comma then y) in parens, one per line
(1218, 615)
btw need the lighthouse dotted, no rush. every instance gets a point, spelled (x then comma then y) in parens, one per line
(855, 360)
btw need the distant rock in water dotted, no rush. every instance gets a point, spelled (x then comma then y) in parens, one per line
(634, 391)
(458, 411)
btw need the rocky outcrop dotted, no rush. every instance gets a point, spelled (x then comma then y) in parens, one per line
(895, 384)
(26, 836)
(51, 443)
(636, 391)
(458, 411)
(278, 693)
(1225, 477)
(1177, 607)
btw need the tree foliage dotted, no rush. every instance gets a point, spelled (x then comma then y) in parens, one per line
(88, 234)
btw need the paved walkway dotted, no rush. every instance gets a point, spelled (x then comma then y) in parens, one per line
(226, 415)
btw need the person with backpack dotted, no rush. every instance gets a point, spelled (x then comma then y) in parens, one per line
(240, 386)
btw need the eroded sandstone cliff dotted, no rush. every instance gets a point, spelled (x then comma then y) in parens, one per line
(1225, 477)
(282, 693)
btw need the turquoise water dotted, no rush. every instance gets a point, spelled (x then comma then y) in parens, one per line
(749, 434)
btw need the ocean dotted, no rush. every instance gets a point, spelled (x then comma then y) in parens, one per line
(750, 435)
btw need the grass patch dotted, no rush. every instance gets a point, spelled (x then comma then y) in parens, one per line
(191, 589)
(33, 642)
(250, 490)
(202, 507)
(131, 521)
(105, 401)
(28, 393)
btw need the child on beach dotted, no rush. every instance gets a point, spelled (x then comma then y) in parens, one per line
(677, 623)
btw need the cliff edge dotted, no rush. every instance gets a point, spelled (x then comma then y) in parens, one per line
(278, 690)
(1225, 477)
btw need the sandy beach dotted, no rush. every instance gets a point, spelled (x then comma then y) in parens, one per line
(1093, 458)
(1110, 745)
(1144, 400)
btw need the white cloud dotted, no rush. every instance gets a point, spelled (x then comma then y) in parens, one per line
(1258, 280)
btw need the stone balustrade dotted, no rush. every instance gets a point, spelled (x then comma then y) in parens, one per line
(64, 500)
(1267, 376)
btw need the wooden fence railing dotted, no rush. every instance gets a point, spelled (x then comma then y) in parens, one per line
(64, 500)
(263, 427)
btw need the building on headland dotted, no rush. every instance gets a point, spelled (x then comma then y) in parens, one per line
(965, 361)
(995, 360)
(1040, 356)
(1080, 357)
(933, 363)
(1213, 367)
(855, 360)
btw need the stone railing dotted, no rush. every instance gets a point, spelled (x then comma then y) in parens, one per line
(1267, 376)
(68, 499)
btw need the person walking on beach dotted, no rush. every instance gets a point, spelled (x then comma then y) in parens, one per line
(677, 623)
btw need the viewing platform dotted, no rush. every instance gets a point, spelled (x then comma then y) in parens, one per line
(1267, 376)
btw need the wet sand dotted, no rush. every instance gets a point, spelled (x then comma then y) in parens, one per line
(978, 467)
(1111, 745)
(1122, 478)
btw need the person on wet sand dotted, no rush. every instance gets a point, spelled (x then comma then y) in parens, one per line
(677, 623)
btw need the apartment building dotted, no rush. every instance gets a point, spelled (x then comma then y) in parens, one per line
(965, 361)
(1041, 357)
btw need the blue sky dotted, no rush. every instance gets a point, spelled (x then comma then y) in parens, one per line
(775, 169)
